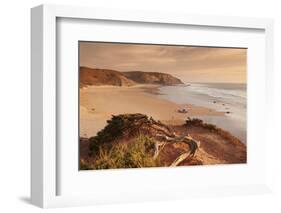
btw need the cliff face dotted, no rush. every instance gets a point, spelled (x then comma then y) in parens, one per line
(89, 76)
(152, 78)
(93, 76)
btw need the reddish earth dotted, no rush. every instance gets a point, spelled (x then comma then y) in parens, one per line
(216, 145)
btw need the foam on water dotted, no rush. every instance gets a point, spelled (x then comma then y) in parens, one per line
(219, 96)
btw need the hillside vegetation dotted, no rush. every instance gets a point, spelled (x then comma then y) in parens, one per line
(135, 141)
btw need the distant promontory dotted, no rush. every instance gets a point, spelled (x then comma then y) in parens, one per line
(98, 77)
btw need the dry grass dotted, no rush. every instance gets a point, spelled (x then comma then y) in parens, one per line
(137, 153)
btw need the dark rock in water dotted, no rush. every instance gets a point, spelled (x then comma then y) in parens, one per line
(227, 112)
(182, 111)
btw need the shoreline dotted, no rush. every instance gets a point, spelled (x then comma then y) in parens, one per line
(234, 107)
(99, 103)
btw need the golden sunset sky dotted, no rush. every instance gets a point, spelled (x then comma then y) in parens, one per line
(189, 63)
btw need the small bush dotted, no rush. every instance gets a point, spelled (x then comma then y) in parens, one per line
(115, 128)
(193, 121)
(199, 122)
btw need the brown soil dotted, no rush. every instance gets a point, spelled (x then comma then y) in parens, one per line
(216, 145)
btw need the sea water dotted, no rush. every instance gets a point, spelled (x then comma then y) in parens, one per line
(230, 98)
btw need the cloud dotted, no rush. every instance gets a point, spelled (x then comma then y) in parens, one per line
(190, 63)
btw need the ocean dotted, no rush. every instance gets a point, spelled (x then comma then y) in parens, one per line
(229, 98)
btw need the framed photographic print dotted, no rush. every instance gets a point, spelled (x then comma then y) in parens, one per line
(187, 108)
(130, 106)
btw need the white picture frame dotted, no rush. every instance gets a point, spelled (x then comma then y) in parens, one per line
(44, 135)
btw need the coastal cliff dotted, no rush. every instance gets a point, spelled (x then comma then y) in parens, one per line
(152, 78)
(93, 76)
(98, 77)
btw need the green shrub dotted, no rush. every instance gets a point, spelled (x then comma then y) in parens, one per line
(199, 122)
(115, 128)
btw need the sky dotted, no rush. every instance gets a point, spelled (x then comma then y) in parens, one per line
(189, 63)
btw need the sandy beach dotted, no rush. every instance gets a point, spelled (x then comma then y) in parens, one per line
(99, 103)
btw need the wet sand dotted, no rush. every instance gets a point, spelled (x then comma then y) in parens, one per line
(99, 103)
